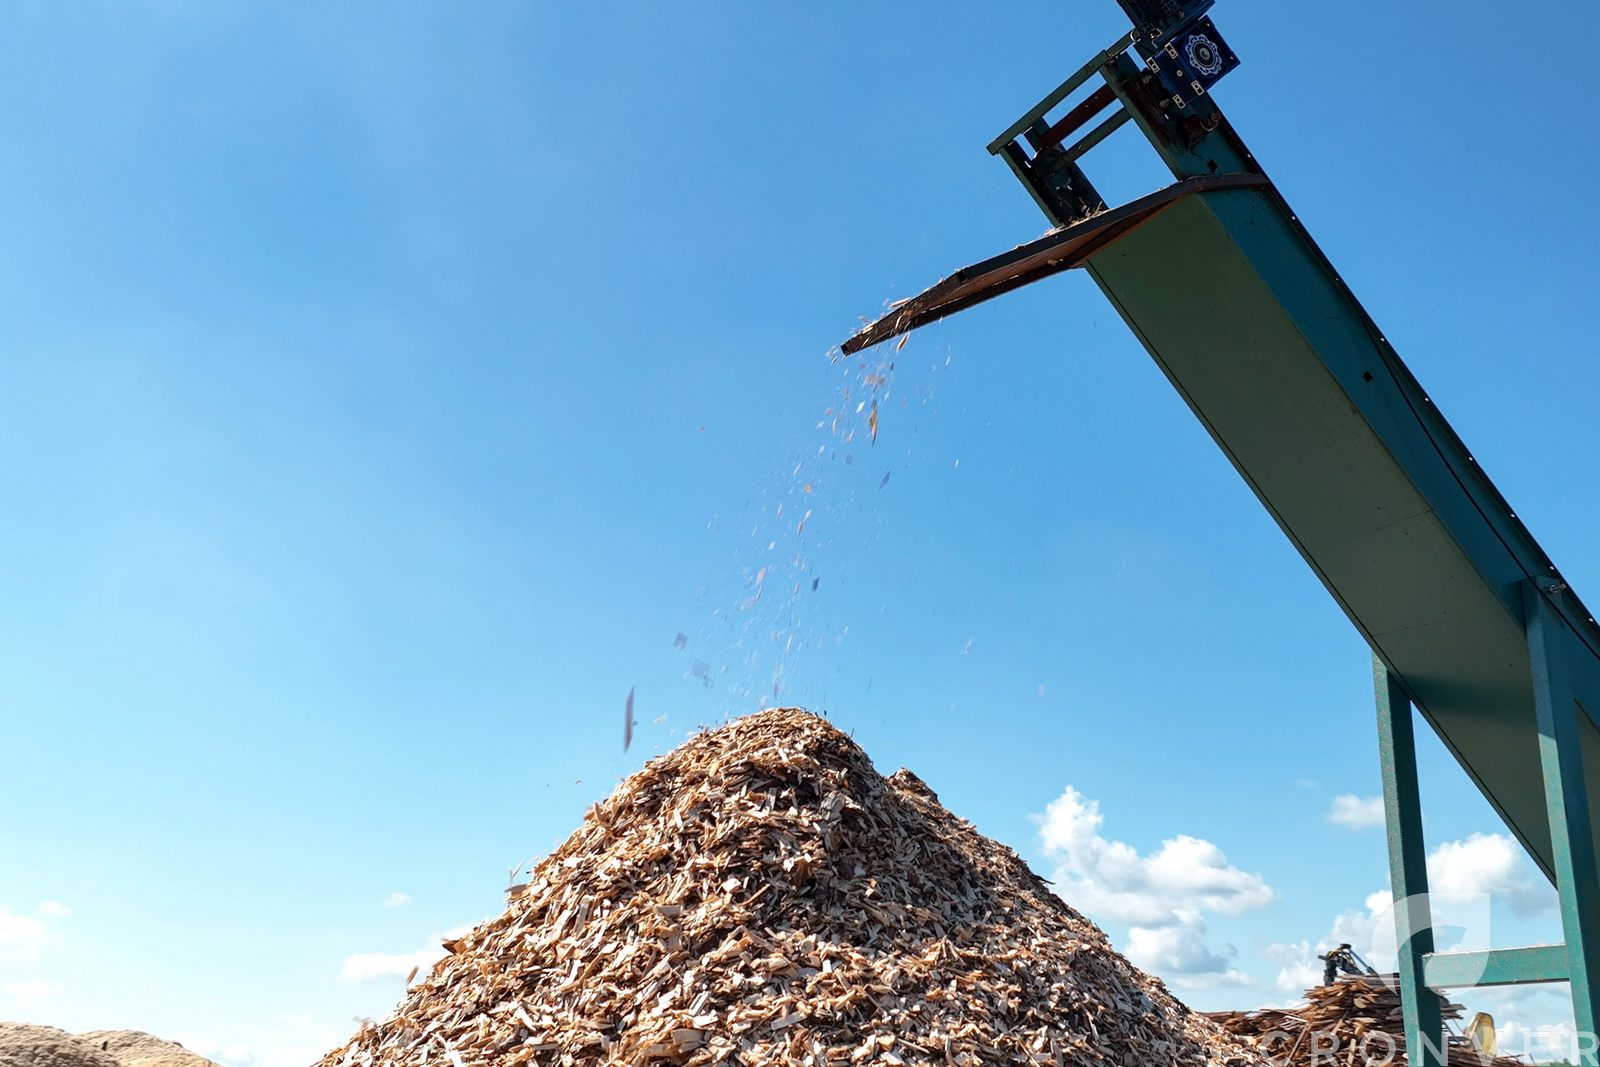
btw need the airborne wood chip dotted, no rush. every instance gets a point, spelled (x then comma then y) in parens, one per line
(762, 895)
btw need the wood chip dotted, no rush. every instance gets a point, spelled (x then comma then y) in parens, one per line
(1356, 1019)
(762, 895)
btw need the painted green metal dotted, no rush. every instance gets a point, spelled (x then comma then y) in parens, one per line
(1324, 422)
(1466, 614)
(1061, 92)
(1562, 759)
(1062, 249)
(1408, 868)
(1495, 966)
(1301, 390)
(1100, 133)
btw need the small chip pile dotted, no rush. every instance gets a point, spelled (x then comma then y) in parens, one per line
(1357, 1020)
(27, 1045)
(762, 895)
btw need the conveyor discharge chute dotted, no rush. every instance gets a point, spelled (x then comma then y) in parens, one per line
(1468, 619)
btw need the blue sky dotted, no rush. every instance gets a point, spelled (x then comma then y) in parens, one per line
(385, 389)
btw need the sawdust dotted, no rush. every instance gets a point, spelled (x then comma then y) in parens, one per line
(27, 1045)
(762, 895)
(134, 1048)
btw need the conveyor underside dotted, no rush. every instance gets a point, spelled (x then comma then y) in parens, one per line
(1286, 371)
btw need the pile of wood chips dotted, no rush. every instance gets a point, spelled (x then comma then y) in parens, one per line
(762, 895)
(1355, 1021)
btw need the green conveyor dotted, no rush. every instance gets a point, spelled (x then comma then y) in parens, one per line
(1342, 445)
(1273, 353)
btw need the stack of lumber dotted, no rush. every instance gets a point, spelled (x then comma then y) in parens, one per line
(762, 895)
(1357, 1020)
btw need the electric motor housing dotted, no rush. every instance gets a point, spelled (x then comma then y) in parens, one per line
(1191, 62)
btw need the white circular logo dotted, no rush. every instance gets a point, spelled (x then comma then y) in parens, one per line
(1204, 55)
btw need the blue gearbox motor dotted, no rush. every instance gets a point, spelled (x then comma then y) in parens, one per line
(1191, 62)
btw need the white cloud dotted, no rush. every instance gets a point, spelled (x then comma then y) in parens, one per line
(234, 1054)
(1490, 864)
(1356, 813)
(269, 1039)
(1543, 1043)
(16, 929)
(31, 989)
(1110, 880)
(1461, 921)
(372, 966)
(1298, 967)
(23, 937)
(1534, 1020)
(397, 900)
(1179, 953)
(1370, 931)
(1162, 897)
(1464, 878)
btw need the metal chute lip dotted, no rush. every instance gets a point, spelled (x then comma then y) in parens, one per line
(1059, 250)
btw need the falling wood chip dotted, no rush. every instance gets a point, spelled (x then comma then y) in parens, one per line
(762, 895)
(627, 721)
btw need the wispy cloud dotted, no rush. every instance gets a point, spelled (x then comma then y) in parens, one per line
(1466, 878)
(1163, 896)
(1490, 864)
(1298, 969)
(397, 900)
(373, 966)
(1356, 813)
(19, 929)
(1533, 1021)
(235, 1055)
(1181, 954)
(31, 989)
(23, 936)
(1542, 1043)
(1111, 879)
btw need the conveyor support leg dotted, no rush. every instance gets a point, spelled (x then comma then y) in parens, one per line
(1408, 872)
(1566, 797)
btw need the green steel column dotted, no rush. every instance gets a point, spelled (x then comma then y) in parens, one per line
(1408, 871)
(1572, 842)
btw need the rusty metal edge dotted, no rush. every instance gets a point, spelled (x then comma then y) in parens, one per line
(1057, 251)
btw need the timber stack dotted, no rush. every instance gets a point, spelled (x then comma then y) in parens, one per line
(762, 895)
(1356, 1019)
